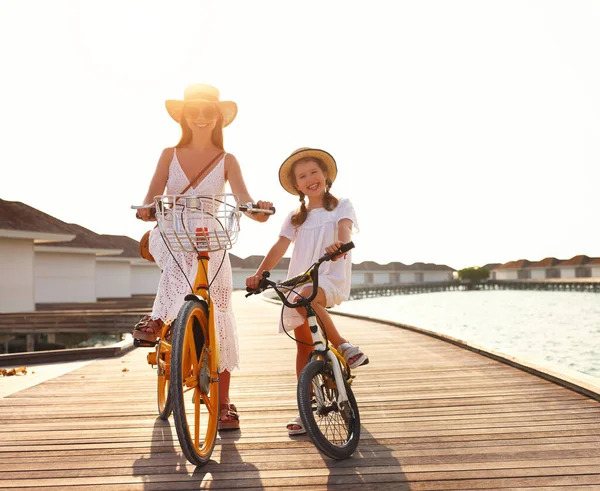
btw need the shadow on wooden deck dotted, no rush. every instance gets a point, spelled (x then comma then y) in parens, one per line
(434, 417)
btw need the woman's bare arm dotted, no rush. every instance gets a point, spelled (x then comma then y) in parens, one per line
(233, 175)
(158, 181)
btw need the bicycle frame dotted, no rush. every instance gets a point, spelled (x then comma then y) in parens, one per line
(202, 288)
(321, 349)
(326, 403)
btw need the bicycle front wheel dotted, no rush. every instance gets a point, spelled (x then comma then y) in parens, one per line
(334, 429)
(195, 382)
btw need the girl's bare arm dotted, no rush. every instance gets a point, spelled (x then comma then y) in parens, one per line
(344, 235)
(270, 261)
(345, 230)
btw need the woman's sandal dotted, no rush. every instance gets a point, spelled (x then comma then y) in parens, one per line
(228, 411)
(146, 322)
(351, 352)
(296, 431)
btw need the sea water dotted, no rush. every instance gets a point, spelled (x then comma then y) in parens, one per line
(556, 329)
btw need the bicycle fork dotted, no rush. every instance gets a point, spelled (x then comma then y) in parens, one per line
(320, 347)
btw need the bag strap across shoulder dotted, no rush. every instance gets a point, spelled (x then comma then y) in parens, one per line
(202, 172)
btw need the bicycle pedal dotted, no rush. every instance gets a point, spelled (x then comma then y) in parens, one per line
(142, 343)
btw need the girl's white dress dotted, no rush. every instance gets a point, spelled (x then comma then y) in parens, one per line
(310, 239)
(173, 287)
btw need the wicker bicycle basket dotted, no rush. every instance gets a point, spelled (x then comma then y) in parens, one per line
(198, 223)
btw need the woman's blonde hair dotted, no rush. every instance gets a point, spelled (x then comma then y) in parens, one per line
(329, 200)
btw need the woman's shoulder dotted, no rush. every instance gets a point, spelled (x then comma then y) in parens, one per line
(166, 156)
(230, 160)
(168, 151)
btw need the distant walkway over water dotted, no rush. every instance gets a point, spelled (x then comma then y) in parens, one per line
(578, 285)
(434, 417)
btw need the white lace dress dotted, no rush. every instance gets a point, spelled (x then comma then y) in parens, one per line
(173, 287)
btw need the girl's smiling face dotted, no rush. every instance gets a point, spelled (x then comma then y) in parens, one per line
(309, 179)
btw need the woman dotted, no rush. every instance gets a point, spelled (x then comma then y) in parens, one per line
(202, 117)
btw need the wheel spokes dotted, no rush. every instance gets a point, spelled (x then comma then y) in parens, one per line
(195, 383)
(196, 361)
(328, 414)
(197, 418)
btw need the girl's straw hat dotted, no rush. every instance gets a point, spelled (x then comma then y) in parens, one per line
(285, 175)
(202, 93)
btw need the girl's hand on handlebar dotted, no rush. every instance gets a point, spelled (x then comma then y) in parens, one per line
(330, 249)
(253, 281)
(265, 205)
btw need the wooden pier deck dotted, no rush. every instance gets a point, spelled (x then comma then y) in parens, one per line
(434, 417)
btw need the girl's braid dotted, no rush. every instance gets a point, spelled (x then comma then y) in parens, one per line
(300, 217)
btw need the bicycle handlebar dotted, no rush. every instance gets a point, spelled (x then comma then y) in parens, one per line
(253, 208)
(152, 207)
(246, 208)
(311, 274)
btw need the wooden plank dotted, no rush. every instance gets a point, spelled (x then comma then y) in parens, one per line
(434, 417)
(330, 476)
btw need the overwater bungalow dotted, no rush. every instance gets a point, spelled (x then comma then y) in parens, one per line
(51, 261)
(549, 268)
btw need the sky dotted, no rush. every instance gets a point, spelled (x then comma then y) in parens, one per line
(465, 132)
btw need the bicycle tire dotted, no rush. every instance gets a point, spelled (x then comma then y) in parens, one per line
(193, 358)
(163, 369)
(334, 431)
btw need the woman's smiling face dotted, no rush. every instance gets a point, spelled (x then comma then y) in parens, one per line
(309, 178)
(201, 115)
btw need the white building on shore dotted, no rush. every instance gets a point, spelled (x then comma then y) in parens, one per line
(396, 273)
(45, 260)
(550, 268)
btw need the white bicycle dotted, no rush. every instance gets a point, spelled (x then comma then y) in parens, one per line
(327, 406)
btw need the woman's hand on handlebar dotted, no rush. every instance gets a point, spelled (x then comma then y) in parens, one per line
(146, 214)
(262, 217)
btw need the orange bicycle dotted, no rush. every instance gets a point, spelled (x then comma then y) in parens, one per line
(186, 355)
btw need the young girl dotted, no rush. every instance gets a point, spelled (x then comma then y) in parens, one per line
(316, 228)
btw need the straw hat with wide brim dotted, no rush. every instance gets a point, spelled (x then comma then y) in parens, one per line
(285, 177)
(202, 93)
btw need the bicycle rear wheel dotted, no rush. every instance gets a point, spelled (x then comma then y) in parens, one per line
(195, 382)
(334, 430)
(163, 368)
